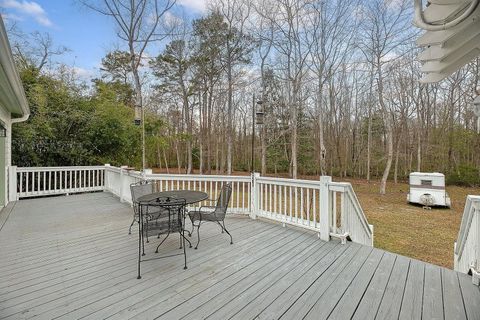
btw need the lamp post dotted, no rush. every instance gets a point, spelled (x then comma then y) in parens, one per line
(140, 120)
(476, 110)
(253, 134)
(257, 118)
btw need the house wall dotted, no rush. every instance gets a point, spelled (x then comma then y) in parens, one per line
(5, 155)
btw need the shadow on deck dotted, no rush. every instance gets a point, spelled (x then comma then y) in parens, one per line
(71, 257)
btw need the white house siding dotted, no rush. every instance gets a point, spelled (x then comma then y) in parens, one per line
(5, 119)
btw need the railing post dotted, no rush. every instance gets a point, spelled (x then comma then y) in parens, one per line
(106, 183)
(12, 183)
(325, 216)
(254, 195)
(476, 268)
(122, 182)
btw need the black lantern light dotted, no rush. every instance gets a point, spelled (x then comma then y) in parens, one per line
(3, 131)
(259, 115)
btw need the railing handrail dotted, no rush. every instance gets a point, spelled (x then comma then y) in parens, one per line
(60, 168)
(196, 177)
(472, 204)
(292, 182)
(359, 210)
(348, 189)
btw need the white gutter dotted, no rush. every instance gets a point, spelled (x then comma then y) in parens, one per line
(14, 87)
(421, 23)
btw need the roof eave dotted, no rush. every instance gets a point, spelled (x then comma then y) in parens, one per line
(14, 99)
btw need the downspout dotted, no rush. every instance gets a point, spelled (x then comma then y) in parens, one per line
(21, 119)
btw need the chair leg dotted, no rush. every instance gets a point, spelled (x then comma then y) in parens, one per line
(193, 228)
(130, 228)
(220, 225)
(198, 234)
(189, 243)
(143, 239)
(184, 249)
(231, 239)
(140, 242)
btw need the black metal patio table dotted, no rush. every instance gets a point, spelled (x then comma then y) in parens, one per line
(173, 202)
(189, 196)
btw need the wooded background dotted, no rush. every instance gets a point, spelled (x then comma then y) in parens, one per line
(338, 81)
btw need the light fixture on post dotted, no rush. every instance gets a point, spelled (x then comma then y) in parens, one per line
(257, 119)
(260, 113)
(140, 120)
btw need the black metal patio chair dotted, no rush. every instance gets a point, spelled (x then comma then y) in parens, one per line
(142, 188)
(213, 213)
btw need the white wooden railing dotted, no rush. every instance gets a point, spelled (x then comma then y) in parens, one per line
(43, 181)
(289, 201)
(349, 221)
(313, 205)
(467, 247)
(118, 182)
(210, 184)
(308, 204)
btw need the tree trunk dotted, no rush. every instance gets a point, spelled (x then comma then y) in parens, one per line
(369, 130)
(294, 140)
(419, 151)
(165, 159)
(159, 157)
(389, 131)
(188, 121)
(138, 98)
(229, 116)
(179, 162)
(264, 148)
(397, 154)
(383, 182)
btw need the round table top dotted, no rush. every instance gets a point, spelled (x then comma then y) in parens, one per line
(189, 196)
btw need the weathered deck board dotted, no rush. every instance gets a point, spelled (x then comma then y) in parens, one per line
(452, 296)
(71, 257)
(471, 297)
(432, 293)
(392, 296)
(413, 297)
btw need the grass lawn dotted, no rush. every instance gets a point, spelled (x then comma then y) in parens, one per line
(410, 230)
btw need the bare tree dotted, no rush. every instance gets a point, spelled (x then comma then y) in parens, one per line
(289, 23)
(386, 28)
(237, 48)
(139, 23)
(35, 49)
(331, 36)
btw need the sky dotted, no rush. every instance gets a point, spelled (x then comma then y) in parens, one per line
(87, 34)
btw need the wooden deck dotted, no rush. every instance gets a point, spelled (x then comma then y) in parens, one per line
(71, 257)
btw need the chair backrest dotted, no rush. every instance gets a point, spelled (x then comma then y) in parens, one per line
(140, 188)
(223, 200)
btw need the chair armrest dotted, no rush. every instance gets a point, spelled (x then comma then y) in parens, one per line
(212, 208)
